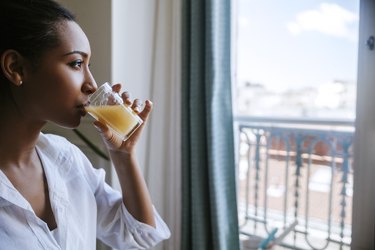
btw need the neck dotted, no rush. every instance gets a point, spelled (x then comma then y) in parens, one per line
(18, 138)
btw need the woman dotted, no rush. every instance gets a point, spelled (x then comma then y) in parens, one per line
(50, 195)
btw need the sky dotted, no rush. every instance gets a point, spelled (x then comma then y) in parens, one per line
(285, 44)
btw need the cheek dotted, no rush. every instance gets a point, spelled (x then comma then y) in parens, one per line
(55, 92)
(62, 83)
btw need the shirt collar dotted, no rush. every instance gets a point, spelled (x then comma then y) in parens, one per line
(55, 162)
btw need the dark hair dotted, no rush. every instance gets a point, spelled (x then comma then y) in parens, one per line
(30, 26)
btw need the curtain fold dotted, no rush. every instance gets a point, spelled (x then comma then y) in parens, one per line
(209, 205)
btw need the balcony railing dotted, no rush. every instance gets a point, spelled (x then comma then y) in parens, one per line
(296, 171)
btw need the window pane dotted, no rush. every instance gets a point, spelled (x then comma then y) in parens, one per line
(296, 58)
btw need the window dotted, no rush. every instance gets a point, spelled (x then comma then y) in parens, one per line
(294, 99)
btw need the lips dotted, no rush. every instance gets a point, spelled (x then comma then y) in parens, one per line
(84, 104)
(82, 111)
(82, 108)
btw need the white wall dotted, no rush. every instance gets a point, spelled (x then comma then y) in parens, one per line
(132, 31)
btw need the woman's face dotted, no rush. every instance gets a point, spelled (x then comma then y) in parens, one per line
(57, 88)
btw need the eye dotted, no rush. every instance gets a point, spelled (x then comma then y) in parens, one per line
(76, 64)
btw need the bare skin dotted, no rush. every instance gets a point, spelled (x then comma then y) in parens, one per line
(37, 193)
(57, 91)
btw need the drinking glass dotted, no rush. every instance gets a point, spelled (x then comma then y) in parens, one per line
(108, 107)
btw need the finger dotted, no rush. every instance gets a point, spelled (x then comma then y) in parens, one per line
(102, 128)
(136, 106)
(126, 98)
(110, 139)
(116, 87)
(146, 110)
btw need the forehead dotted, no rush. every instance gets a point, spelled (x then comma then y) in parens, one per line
(72, 38)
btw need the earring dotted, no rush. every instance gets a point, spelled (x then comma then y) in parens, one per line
(20, 83)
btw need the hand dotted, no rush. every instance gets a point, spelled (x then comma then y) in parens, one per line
(112, 140)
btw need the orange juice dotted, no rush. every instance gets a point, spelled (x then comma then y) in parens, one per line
(121, 119)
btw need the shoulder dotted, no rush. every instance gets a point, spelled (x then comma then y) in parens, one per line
(60, 152)
(52, 140)
(53, 144)
(71, 161)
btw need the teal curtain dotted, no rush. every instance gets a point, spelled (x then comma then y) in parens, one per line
(209, 213)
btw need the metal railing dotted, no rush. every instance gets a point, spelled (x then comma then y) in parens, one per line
(296, 171)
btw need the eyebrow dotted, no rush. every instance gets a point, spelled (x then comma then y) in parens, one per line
(76, 52)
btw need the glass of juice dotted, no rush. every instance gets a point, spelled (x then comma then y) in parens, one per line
(108, 107)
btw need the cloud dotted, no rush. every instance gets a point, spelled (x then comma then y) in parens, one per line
(329, 19)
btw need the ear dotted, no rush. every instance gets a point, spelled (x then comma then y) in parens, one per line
(12, 65)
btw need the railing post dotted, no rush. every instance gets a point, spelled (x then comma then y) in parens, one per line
(299, 161)
(257, 175)
(345, 170)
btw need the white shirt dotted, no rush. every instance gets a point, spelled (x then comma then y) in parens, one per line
(85, 207)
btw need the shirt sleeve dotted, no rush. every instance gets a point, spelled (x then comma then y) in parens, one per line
(116, 227)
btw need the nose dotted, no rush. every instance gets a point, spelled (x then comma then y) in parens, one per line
(89, 85)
